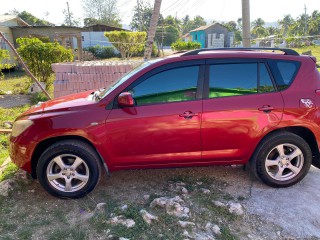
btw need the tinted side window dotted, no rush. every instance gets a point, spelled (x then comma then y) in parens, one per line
(233, 79)
(265, 81)
(239, 79)
(284, 72)
(174, 85)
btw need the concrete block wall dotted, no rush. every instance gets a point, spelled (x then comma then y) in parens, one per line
(78, 77)
(214, 41)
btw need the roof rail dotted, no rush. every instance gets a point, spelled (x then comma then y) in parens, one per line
(286, 51)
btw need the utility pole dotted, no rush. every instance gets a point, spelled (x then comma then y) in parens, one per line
(69, 14)
(305, 20)
(152, 29)
(246, 35)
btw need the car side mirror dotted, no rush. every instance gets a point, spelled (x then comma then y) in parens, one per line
(125, 99)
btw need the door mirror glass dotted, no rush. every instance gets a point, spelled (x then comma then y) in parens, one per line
(125, 99)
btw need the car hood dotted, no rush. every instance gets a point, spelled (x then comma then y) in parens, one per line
(66, 103)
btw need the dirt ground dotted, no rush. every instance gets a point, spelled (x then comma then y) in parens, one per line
(291, 213)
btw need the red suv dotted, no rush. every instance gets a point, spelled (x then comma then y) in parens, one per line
(199, 108)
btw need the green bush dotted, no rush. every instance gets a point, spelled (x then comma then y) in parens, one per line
(127, 43)
(140, 52)
(4, 55)
(101, 52)
(38, 97)
(181, 46)
(39, 57)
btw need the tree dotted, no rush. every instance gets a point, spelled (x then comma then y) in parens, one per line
(172, 21)
(232, 26)
(165, 36)
(30, 19)
(258, 28)
(69, 19)
(127, 43)
(188, 25)
(239, 22)
(299, 27)
(39, 56)
(259, 22)
(285, 24)
(4, 54)
(152, 29)
(90, 21)
(141, 16)
(105, 11)
(272, 31)
(314, 23)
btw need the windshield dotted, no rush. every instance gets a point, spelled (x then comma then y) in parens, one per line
(143, 65)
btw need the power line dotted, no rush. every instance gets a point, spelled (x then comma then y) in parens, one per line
(181, 1)
(195, 6)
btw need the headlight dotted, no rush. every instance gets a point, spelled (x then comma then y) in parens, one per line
(20, 126)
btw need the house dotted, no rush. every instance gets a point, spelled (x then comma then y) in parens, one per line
(186, 37)
(68, 36)
(94, 35)
(75, 38)
(65, 35)
(6, 22)
(215, 35)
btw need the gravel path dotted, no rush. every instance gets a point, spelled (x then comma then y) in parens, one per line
(9, 101)
(296, 209)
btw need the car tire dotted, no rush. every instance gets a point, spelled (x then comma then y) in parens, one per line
(281, 160)
(69, 169)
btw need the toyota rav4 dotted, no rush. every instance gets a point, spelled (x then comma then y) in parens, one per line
(198, 108)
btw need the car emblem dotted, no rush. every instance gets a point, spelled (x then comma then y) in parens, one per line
(306, 103)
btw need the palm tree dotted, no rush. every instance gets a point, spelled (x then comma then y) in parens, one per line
(258, 23)
(286, 23)
(314, 23)
(152, 29)
(299, 27)
(272, 30)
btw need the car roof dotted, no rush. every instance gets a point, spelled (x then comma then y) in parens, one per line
(236, 53)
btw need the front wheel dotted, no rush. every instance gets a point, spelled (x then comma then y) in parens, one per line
(68, 169)
(282, 160)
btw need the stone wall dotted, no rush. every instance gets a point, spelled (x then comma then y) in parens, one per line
(83, 76)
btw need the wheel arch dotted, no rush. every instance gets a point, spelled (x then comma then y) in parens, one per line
(304, 133)
(44, 144)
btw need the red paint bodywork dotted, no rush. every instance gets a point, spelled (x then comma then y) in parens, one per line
(222, 130)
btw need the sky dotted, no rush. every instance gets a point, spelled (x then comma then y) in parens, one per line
(218, 10)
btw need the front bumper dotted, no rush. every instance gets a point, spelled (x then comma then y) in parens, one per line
(21, 153)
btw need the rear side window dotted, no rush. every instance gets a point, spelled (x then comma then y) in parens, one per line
(239, 79)
(284, 72)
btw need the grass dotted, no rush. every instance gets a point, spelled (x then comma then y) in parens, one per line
(17, 82)
(8, 114)
(315, 50)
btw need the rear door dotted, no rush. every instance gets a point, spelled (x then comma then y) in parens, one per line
(241, 103)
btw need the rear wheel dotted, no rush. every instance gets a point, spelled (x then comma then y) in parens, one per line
(68, 169)
(282, 159)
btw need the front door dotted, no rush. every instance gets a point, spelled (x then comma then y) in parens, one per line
(163, 128)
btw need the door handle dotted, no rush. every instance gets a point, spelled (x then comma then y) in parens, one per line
(188, 114)
(266, 108)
